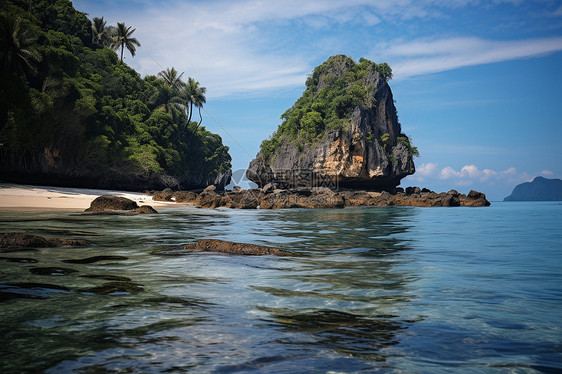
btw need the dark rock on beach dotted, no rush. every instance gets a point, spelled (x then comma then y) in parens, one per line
(215, 245)
(184, 196)
(109, 204)
(164, 195)
(21, 240)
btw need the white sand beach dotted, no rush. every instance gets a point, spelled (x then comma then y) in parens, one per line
(27, 197)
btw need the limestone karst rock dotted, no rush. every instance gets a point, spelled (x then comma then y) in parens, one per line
(343, 132)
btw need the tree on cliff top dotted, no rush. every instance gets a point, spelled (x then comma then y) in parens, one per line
(124, 39)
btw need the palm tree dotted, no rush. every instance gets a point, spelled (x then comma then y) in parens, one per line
(18, 50)
(166, 99)
(124, 39)
(194, 95)
(99, 31)
(172, 79)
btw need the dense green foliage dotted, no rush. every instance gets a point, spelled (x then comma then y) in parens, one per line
(411, 149)
(327, 102)
(64, 92)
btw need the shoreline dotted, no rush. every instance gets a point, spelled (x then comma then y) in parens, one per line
(19, 197)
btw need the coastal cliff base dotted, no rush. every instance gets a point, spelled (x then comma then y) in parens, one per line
(321, 197)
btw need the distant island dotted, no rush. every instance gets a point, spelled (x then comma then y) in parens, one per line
(540, 189)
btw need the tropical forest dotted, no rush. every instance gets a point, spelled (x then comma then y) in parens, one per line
(73, 112)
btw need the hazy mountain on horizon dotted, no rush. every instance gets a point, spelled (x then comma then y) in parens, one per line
(540, 189)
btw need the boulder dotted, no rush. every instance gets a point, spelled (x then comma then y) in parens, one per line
(208, 198)
(248, 199)
(474, 198)
(222, 246)
(164, 195)
(184, 196)
(412, 190)
(110, 204)
(210, 188)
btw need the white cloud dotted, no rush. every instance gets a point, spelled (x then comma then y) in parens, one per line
(234, 47)
(432, 56)
(547, 172)
(470, 174)
(251, 46)
(426, 169)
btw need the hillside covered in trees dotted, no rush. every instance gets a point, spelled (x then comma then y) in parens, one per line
(73, 114)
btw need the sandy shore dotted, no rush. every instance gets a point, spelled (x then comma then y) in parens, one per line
(25, 197)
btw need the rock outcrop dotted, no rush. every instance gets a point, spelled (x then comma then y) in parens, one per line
(540, 189)
(12, 240)
(322, 197)
(367, 150)
(109, 204)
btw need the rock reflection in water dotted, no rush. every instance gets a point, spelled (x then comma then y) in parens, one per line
(23, 260)
(28, 290)
(52, 271)
(347, 333)
(115, 288)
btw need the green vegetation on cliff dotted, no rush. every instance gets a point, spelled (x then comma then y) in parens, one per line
(327, 102)
(66, 95)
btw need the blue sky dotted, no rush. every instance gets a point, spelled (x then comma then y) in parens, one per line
(477, 84)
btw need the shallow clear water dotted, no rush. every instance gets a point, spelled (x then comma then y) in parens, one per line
(398, 290)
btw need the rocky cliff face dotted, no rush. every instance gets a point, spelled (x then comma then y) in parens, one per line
(368, 151)
(54, 169)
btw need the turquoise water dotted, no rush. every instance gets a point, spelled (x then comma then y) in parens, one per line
(397, 290)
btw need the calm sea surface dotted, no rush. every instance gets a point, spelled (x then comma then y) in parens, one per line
(397, 290)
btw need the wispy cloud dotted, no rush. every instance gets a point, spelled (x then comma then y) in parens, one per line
(432, 56)
(251, 46)
(469, 175)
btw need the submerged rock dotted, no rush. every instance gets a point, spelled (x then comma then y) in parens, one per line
(91, 260)
(215, 245)
(115, 288)
(109, 204)
(21, 240)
